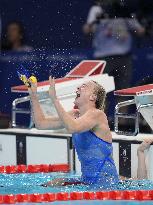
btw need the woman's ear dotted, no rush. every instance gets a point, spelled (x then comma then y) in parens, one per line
(93, 97)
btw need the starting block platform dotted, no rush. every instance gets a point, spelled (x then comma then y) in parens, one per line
(143, 99)
(65, 88)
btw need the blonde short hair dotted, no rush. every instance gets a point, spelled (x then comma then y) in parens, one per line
(101, 96)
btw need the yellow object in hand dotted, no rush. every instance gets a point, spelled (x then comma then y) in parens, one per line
(24, 79)
(32, 79)
(28, 81)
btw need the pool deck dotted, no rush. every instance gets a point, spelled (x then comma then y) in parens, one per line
(63, 134)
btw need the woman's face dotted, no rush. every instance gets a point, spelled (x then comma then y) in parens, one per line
(84, 93)
(13, 33)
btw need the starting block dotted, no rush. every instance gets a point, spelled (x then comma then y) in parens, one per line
(143, 99)
(65, 88)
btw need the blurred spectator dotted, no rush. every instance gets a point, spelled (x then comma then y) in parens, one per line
(95, 12)
(145, 17)
(15, 38)
(112, 41)
(99, 10)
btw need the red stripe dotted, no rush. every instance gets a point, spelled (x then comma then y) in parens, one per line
(44, 83)
(84, 68)
(132, 91)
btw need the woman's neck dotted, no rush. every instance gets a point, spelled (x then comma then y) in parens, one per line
(84, 109)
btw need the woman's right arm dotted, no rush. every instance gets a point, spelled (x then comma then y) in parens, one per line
(39, 119)
(41, 122)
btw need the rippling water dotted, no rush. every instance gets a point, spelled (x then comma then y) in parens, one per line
(31, 183)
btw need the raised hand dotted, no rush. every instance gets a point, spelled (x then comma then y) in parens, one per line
(145, 145)
(52, 91)
(33, 86)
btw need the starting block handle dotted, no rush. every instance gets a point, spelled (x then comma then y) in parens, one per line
(125, 115)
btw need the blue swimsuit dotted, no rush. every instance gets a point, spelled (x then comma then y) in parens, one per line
(95, 155)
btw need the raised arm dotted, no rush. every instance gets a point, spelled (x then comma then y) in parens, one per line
(142, 170)
(136, 27)
(40, 121)
(86, 122)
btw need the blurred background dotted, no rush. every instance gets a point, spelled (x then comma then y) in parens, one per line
(52, 36)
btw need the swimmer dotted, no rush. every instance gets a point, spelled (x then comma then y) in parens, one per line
(91, 135)
(141, 169)
(124, 181)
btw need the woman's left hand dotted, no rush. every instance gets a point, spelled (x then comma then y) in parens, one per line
(52, 91)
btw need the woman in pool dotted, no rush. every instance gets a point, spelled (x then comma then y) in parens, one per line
(88, 124)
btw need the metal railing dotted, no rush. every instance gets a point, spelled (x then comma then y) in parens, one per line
(134, 116)
(16, 110)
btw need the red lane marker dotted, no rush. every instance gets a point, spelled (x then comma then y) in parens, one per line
(35, 197)
(22, 168)
(104, 195)
(116, 195)
(76, 196)
(22, 197)
(9, 199)
(62, 196)
(1, 199)
(145, 195)
(130, 195)
(10, 169)
(2, 169)
(44, 168)
(33, 168)
(59, 168)
(48, 197)
(89, 195)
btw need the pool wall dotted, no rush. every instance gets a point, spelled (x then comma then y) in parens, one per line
(32, 146)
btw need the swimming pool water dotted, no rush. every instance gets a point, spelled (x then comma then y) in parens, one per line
(31, 183)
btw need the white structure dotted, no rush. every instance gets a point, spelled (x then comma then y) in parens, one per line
(65, 87)
(143, 99)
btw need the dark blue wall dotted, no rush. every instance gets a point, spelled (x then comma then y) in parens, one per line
(55, 24)
(49, 23)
